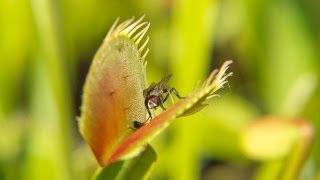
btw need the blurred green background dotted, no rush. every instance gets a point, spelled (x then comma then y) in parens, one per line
(46, 48)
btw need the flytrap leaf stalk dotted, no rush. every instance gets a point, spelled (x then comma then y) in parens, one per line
(113, 95)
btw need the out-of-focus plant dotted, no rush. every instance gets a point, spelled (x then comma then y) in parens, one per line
(276, 138)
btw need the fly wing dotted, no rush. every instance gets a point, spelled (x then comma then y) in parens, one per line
(163, 83)
(149, 89)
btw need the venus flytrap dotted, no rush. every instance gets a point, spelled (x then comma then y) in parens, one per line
(113, 96)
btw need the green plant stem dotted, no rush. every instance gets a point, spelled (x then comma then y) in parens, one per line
(300, 152)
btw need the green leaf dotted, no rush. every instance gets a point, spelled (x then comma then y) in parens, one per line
(140, 166)
(110, 172)
(136, 168)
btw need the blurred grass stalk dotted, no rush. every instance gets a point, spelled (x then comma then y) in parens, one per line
(48, 154)
(13, 50)
(15, 33)
(192, 30)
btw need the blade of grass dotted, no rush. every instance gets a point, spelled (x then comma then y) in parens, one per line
(49, 145)
(192, 37)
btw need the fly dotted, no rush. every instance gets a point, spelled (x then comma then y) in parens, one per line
(155, 95)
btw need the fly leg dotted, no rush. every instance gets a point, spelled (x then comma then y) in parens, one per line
(137, 124)
(161, 103)
(175, 92)
(150, 115)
